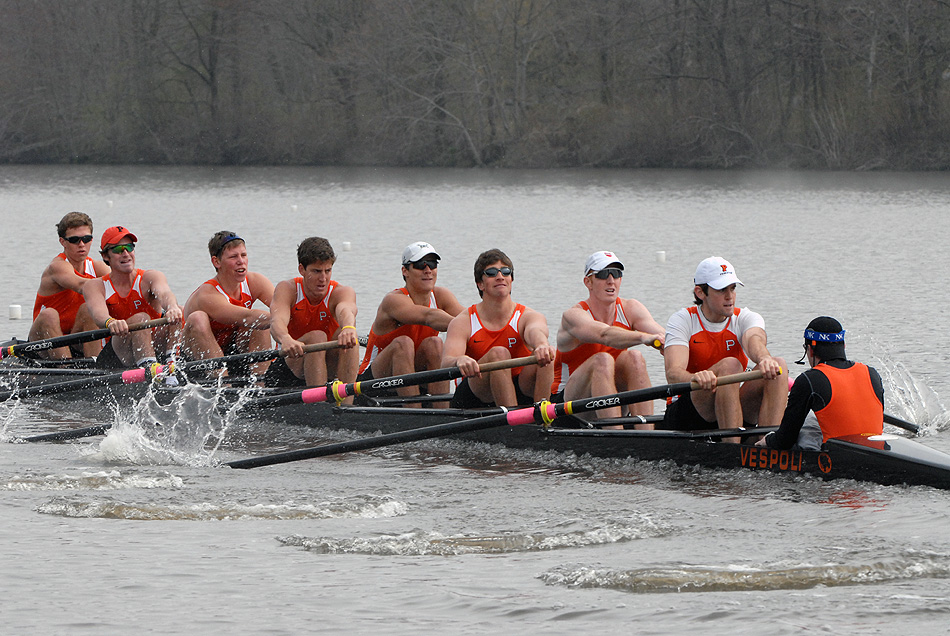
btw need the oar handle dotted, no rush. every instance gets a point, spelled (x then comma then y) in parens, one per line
(74, 338)
(745, 376)
(507, 364)
(311, 348)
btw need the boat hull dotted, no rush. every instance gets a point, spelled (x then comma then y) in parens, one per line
(884, 459)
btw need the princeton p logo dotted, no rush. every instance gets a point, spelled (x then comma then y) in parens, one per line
(725, 268)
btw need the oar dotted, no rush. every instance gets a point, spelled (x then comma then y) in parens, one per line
(135, 376)
(62, 436)
(340, 391)
(544, 412)
(899, 423)
(73, 338)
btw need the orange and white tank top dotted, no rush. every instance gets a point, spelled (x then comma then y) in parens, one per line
(509, 336)
(854, 407)
(66, 302)
(245, 300)
(124, 307)
(706, 348)
(376, 343)
(566, 362)
(306, 317)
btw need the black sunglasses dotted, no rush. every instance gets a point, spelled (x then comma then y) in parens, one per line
(610, 271)
(431, 264)
(75, 239)
(491, 272)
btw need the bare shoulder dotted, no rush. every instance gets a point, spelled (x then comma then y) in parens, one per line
(259, 284)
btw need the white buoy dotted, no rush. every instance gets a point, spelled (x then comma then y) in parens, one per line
(293, 208)
(661, 257)
(346, 246)
(16, 312)
(109, 203)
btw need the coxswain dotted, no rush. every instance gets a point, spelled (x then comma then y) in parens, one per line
(127, 296)
(309, 309)
(494, 330)
(595, 340)
(59, 307)
(220, 318)
(834, 398)
(404, 337)
(715, 338)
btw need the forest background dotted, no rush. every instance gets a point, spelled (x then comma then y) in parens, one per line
(842, 84)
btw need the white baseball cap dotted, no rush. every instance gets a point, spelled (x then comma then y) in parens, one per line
(716, 272)
(601, 260)
(416, 251)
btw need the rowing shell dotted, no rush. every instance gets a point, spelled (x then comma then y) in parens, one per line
(885, 459)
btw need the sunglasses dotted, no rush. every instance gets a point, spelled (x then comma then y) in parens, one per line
(491, 272)
(118, 249)
(610, 271)
(76, 239)
(431, 264)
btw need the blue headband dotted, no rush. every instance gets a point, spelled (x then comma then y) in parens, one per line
(817, 336)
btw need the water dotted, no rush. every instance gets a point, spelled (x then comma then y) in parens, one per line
(142, 531)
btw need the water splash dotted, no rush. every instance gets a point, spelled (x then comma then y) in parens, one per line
(423, 543)
(745, 579)
(905, 396)
(366, 507)
(185, 431)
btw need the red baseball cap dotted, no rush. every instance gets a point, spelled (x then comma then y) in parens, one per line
(114, 234)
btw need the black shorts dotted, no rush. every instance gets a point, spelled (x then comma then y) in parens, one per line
(681, 415)
(465, 399)
(279, 374)
(108, 358)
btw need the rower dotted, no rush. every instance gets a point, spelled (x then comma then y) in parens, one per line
(404, 337)
(59, 307)
(219, 316)
(498, 329)
(716, 338)
(595, 340)
(310, 309)
(834, 398)
(126, 296)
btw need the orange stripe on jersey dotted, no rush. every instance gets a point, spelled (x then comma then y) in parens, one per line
(306, 317)
(566, 362)
(706, 348)
(854, 407)
(417, 333)
(509, 336)
(66, 302)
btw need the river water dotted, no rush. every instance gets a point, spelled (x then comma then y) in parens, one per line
(131, 532)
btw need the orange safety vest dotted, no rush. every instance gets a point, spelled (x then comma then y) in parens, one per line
(854, 407)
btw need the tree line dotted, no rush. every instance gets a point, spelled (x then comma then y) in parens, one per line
(848, 84)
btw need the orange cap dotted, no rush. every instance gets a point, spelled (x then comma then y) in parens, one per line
(114, 234)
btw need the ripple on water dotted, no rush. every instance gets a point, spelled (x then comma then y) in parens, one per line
(424, 543)
(368, 507)
(700, 578)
